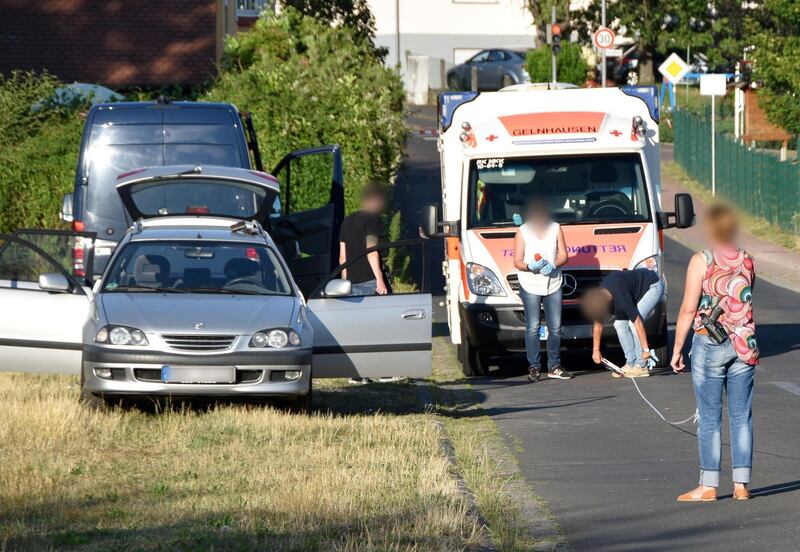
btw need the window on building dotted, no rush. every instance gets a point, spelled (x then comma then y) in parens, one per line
(253, 8)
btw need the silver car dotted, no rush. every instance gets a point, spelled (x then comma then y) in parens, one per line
(495, 68)
(197, 300)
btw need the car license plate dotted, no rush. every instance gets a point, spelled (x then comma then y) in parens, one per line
(198, 374)
(543, 333)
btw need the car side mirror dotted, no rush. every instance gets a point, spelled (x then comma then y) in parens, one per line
(430, 221)
(338, 288)
(53, 281)
(684, 211)
(67, 213)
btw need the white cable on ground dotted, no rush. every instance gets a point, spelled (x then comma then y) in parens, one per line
(693, 418)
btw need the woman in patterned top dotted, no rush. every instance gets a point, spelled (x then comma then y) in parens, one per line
(721, 275)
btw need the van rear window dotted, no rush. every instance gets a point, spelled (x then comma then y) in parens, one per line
(125, 139)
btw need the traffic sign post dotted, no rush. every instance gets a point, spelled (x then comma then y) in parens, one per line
(713, 85)
(603, 40)
(672, 70)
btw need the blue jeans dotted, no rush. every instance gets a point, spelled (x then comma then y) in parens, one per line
(626, 332)
(364, 288)
(552, 313)
(714, 368)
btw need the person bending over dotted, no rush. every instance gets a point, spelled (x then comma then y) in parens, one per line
(630, 296)
(720, 276)
(539, 251)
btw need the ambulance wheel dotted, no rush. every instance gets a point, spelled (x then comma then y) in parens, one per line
(473, 362)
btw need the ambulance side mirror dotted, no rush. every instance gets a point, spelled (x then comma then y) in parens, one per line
(684, 211)
(429, 223)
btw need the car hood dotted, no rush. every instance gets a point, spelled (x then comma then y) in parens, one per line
(232, 314)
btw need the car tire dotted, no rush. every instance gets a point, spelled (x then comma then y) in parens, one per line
(88, 399)
(507, 80)
(452, 83)
(473, 361)
(301, 405)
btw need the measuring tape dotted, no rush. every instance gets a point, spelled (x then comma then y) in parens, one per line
(614, 368)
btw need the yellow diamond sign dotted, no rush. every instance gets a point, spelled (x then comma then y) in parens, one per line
(673, 69)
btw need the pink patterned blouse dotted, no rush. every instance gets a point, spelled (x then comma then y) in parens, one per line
(728, 281)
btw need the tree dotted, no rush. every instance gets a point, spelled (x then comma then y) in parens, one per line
(541, 11)
(663, 26)
(571, 64)
(776, 55)
(351, 13)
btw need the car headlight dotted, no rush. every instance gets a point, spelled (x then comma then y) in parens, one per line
(121, 335)
(482, 281)
(275, 339)
(650, 263)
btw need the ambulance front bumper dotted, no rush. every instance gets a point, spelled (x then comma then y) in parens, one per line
(501, 328)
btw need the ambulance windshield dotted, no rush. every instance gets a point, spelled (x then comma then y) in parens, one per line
(584, 189)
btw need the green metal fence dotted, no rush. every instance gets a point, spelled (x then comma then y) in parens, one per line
(756, 181)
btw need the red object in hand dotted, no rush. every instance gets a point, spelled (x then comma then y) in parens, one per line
(537, 257)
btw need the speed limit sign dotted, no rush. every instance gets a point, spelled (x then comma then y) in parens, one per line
(604, 38)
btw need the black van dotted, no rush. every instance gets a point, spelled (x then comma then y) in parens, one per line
(119, 137)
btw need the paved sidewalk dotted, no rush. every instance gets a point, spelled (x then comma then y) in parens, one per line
(773, 262)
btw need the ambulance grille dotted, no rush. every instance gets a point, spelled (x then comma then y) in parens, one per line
(584, 279)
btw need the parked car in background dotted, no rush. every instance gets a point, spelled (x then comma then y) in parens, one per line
(625, 69)
(497, 68)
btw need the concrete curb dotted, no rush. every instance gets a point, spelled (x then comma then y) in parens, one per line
(537, 518)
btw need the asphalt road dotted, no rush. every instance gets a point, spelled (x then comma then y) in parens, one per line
(608, 467)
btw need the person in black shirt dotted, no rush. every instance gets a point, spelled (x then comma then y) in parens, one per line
(630, 296)
(360, 231)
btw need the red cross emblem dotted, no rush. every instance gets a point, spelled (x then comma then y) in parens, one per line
(492, 137)
(616, 133)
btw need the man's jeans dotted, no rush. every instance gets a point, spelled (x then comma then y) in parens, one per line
(626, 332)
(714, 368)
(364, 288)
(552, 313)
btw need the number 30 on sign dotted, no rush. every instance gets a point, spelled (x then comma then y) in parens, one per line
(604, 38)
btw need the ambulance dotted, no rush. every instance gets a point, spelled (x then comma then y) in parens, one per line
(593, 154)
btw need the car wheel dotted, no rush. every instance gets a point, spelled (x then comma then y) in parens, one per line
(662, 352)
(473, 361)
(507, 80)
(632, 78)
(90, 400)
(452, 83)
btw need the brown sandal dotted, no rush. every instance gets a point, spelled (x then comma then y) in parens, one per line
(707, 496)
(741, 494)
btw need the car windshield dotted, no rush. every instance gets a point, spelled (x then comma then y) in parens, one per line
(197, 267)
(586, 189)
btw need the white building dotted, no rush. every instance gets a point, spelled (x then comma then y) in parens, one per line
(432, 31)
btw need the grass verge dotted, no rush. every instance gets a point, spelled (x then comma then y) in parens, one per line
(363, 472)
(756, 226)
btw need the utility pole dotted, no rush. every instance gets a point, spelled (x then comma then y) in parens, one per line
(553, 53)
(397, 29)
(603, 24)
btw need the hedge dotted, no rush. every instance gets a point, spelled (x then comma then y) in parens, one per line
(307, 83)
(571, 65)
(38, 152)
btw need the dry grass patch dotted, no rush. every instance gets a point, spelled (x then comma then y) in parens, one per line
(364, 472)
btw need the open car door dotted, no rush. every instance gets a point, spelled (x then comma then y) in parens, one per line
(305, 223)
(375, 335)
(44, 305)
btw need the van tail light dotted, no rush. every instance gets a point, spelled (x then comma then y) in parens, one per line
(196, 210)
(79, 259)
(78, 226)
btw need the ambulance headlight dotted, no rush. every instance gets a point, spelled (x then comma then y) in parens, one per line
(482, 281)
(650, 263)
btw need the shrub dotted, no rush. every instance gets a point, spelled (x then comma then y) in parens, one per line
(38, 152)
(308, 83)
(572, 67)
